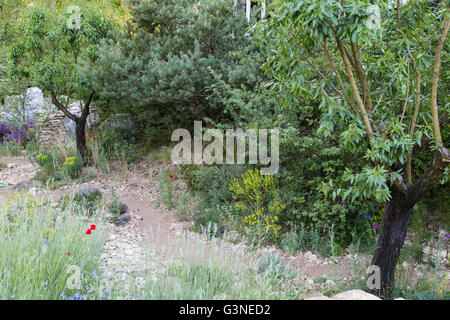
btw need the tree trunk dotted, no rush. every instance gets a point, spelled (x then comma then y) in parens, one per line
(391, 239)
(80, 133)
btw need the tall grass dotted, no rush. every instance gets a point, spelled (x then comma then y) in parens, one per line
(10, 148)
(35, 240)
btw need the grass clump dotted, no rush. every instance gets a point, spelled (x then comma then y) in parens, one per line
(41, 247)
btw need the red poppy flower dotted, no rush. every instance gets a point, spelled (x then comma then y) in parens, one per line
(92, 226)
(88, 231)
(93, 138)
(171, 176)
(68, 253)
(84, 138)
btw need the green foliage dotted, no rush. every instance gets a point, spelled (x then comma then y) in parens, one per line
(115, 207)
(298, 64)
(72, 166)
(259, 202)
(56, 163)
(168, 68)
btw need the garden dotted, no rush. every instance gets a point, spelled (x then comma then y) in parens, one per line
(95, 204)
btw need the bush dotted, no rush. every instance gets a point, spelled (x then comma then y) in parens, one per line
(258, 200)
(73, 165)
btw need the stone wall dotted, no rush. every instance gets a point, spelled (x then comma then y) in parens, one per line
(51, 129)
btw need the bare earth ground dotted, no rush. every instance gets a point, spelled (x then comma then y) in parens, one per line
(167, 237)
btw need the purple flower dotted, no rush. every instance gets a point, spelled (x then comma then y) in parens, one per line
(446, 236)
(62, 294)
(101, 294)
(360, 213)
(175, 165)
(342, 202)
(325, 225)
(375, 225)
(369, 217)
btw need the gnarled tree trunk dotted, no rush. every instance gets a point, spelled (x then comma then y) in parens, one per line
(391, 239)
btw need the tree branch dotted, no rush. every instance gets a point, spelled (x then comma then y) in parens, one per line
(361, 76)
(433, 175)
(86, 109)
(434, 86)
(359, 102)
(338, 76)
(413, 120)
(61, 107)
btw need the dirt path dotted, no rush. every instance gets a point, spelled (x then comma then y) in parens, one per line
(158, 228)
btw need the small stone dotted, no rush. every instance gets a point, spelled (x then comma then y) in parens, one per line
(123, 219)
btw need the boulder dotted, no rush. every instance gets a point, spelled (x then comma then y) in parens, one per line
(354, 295)
(29, 105)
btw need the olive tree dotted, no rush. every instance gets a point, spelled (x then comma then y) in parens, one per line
(376, 71)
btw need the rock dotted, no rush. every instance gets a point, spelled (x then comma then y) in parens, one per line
(90, 194)
(354, 295)
(123, 219)
(33, 102)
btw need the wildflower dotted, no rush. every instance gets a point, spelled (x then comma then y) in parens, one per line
(93, 138)
(375, 225)
(446, 236)
(108, 291)
(175, 165)
(101, 295)
(360, 213)
(342, 202)
(134, 295)
(325, 225)
(88, 231)
(70, 298)
(68, 253)
(77, 296)
(62, 293)
(94, 274)
(368, 217)
(84, 138)
(170, 176)
(45, 241)
(93, 226)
